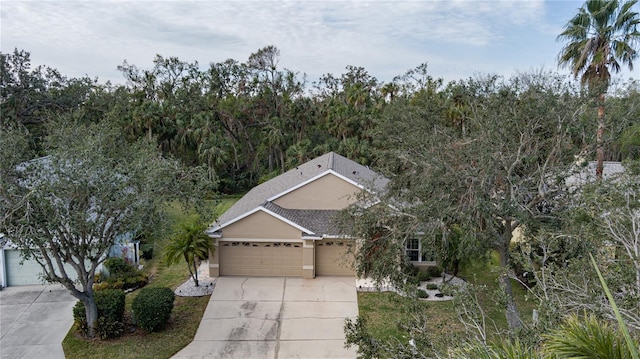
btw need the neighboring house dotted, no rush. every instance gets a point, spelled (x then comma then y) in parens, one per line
(286, 226)
(16, 271)
(582, 173)
(586, 172)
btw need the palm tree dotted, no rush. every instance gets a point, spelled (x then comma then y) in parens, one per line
(192, 244)
(601, 38)
(586, 338)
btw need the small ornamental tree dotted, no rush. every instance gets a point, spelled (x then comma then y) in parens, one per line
(66, 210)
(192, 244)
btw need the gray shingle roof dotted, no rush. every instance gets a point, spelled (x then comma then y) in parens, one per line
(587, 172)
(319, 222)
(343, 166)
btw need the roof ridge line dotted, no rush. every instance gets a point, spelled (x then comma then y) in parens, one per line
(330, 161)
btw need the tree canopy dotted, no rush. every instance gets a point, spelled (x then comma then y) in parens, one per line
(67, 209)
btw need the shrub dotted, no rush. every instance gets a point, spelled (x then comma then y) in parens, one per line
(413, 280)
(147, 251)
(448, 290)
(422, 294)
(410, 270)
(434, 271)
(152, 307)
(118, 267)
(423, 276)
(122, 275)
(432, 286)
(110, 304)
(107, 328)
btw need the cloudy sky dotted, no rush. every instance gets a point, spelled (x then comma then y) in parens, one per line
(456, 38)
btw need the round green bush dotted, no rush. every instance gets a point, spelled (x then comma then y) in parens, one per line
(152, 308)
(422, 294)
(423, 276)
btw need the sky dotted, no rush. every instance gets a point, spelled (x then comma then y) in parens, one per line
(457, 38)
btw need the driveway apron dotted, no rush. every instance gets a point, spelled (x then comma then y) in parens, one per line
(276, 318)
(34, 320)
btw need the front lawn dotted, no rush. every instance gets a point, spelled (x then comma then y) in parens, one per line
(387, 311)
(182, 326)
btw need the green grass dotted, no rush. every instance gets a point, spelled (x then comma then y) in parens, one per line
(385, 310)
(185, 317)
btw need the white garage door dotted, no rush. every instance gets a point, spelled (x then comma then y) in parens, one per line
(29, 272)
(333, 257)
(25, 274)
(261, 259)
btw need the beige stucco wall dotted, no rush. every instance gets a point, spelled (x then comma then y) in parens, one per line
(261, 225)
(214, 261)
(326, 192)
(308, 260)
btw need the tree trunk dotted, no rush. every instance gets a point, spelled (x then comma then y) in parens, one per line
(599, 138)
(282, 161)
(91, 311)
(513, 317)
(195, 273)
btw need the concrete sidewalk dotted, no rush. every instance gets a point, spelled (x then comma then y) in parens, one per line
(276, 318)
(34, 320)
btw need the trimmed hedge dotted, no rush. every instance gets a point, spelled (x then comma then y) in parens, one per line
(110, 303)
(152, 308)
(423, 276)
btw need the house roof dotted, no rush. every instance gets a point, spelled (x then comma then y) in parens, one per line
(329, 163)
(318, 221)
(586, 173)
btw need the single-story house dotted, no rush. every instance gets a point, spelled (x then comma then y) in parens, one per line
(286, 226)
(16, 271)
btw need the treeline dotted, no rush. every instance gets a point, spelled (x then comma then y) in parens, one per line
(249, 121)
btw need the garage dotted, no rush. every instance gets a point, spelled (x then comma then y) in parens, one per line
(333, 257)
(26, 274)
(261, 259)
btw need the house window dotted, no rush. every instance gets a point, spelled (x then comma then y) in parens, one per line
(415, 253)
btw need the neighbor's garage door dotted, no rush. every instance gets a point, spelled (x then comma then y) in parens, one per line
(25, 274)
(334, 258)
(260, 259)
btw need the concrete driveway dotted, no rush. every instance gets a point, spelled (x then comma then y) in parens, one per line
(276, 318)
(34, 320)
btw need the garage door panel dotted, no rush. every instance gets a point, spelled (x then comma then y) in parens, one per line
(28, 273)
(334, 257)
(261, 259)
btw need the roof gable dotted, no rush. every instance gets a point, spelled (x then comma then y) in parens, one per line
(329, 163)
(268, 211)
(302, 184)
